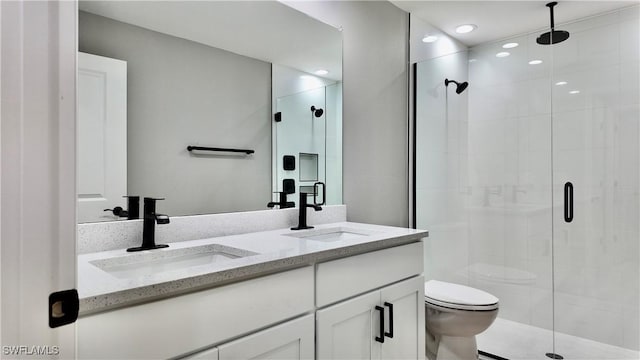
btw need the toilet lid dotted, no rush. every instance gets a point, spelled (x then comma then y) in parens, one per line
(457, 296)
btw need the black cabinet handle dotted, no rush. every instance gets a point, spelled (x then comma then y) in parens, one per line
(380, 338)
(390, 333)
(568, 202)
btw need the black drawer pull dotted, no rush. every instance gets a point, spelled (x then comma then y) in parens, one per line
(380, 338)
(390, 333)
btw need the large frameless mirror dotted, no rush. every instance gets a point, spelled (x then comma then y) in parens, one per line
(177, 100)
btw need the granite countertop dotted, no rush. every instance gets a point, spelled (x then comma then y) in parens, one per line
(262, 253)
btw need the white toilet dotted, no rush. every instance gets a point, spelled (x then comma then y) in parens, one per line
(455, 314)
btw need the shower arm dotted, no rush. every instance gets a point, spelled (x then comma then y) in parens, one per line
(551, 5)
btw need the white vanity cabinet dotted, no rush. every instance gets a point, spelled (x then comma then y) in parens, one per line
(293, 340)
(324, 311)
(351, 329)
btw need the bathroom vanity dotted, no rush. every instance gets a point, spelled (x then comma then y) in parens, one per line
(340, 290)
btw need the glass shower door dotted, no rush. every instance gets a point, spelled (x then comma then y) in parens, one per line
(595, 111)
(510, 210)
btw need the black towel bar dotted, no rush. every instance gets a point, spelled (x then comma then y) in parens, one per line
(191, 148)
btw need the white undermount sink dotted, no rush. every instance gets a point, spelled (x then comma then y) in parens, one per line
(331, 234)
(164, 260)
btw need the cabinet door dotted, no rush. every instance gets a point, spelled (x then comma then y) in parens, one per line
(407, 300)
(292, 340)
(347, 330)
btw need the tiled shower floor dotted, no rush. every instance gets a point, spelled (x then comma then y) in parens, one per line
(517, 341)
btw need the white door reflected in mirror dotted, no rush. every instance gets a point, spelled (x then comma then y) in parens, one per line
(102, 136)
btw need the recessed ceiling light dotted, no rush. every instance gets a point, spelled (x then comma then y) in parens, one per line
(502, 54)
(510, 45)
(535, 62)
(429, 38)
(560, 83)
(574, 92)
(322, 72)
(466, 28)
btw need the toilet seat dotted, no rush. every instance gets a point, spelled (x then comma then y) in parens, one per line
(458, 297)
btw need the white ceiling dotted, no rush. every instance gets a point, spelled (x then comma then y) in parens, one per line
(265, 30)
(501, 19)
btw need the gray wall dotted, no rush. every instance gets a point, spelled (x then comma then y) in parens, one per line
(375, 83)
(183, 93)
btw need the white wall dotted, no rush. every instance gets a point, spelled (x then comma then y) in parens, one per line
(375, 80)
(183, 93)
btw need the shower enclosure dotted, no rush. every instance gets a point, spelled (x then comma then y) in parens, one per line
(529, 184)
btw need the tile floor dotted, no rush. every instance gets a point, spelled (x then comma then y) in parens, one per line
(517, 341)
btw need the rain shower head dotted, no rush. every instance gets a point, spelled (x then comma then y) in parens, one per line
(460, 87)
(317, 112)
(553, 36)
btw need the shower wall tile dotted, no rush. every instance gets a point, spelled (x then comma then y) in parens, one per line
(513, 295)
(431, 215)
(449, 242)
(630, 37)
(595, 46)
(631, 327)
(601, 324)
(536, 97)
(541, 308)
(630, 84)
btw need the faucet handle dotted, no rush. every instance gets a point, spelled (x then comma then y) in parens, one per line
(162, 219)
(118, 211)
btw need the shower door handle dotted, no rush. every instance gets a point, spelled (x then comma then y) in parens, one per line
(568, 202)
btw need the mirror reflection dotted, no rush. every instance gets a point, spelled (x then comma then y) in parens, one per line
(157, 77)
(308, 137)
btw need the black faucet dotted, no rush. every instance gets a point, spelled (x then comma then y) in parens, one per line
(133, 208)
(302, 217)
(148, 229)
(283, 203)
